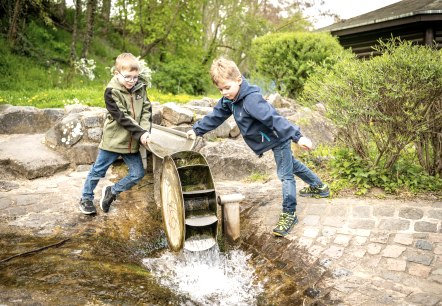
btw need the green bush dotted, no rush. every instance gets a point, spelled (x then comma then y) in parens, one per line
(288, 59)
(181, 76)
(383, 105)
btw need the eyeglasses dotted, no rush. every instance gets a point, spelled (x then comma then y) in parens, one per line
(129, 78)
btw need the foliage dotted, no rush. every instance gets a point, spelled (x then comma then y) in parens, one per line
(290, 58)
(191, 78)
(386, 104)
(342, 168)
(257, 177)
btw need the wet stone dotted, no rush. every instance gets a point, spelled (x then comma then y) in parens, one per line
(423, 226)
(411, 213)
(424, 245)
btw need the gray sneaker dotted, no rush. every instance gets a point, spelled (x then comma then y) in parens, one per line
(87, 207)
(107, 197)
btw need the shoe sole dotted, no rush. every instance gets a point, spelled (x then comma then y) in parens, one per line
(277, 234)
(87, 212)
(317, 196)
(103, 192)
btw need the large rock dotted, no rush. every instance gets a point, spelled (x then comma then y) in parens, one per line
(176, 114)
(27, 119)
(234, 160)
(27, 156)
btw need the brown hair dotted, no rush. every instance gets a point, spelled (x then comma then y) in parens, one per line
(127, 61)
(224, 69)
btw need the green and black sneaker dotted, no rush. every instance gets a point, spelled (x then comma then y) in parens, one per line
(285, 224)
(315, 192)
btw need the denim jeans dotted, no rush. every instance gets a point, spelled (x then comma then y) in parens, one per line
(98, 170)
(287, 167)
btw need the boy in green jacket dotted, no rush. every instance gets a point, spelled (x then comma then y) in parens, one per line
(128, 123)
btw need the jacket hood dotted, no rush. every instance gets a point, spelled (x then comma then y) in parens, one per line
(115, 84)
(246, 89)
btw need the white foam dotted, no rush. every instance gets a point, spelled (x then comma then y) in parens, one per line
(208, 277)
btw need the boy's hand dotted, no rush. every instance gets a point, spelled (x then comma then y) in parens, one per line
(145, 138)
(191, 134)
(305, 143)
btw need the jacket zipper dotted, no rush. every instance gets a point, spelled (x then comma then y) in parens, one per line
(133, 112)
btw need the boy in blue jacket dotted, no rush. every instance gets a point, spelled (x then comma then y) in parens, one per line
(263, 129)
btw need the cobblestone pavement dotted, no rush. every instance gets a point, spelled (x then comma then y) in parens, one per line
(379, 252)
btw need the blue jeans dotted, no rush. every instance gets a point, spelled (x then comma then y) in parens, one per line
(287, 167)
(98, 170)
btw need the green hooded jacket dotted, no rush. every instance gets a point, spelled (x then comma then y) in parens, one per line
(129, 116)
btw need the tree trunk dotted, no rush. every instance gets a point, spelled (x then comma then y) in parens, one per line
(13, 26)
(105, 15)
(77, 18)
(90, 18)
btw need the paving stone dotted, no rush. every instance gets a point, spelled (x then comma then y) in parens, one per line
(358, 240)
(438, 250)
(324, 240)
(316, 209)
(423, 226)
(337, 211)
(311, 232)
(374, 248)
(326, 262)
(334, 221)
(5, 203)
(394, 224)
(419, 270)
(435, 214)
(396, 264)
(340, 272)
(362, 211)
(328, 231)
(423, 299)
(315, 250)
(334, 251)
(405, 239)
(384, 211)
(411, 213)
(311, 220)
(419, 257)
(437, 271)
(359, 253)
(436, 279)
(342, 240)
(393, 251)
(305, 242)
(424, 245)
(435, 237)
(362, 232)
(380, 237)
(362, 224)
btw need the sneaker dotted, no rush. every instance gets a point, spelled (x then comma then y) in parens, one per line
(87, 207)
(107, 197)
(285, 224)
(315, 192)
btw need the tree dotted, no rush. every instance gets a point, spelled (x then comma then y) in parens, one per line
(75, 29)
(90, 20)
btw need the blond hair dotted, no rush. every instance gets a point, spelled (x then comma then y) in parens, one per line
(127, 61)
(223, 69)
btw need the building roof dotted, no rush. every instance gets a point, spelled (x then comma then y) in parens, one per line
(403, 10)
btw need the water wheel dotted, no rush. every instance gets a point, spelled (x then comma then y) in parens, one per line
(188, 202)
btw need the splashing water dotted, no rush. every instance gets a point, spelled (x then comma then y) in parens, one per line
(208, 277)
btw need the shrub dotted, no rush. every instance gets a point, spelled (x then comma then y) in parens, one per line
(288, 59)
(383, 105)
(181, 76)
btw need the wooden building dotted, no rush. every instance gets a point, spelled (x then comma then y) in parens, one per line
(419, 21)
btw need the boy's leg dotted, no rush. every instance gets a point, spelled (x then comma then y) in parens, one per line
(316, 188)
(136, 173)
(284, 164)
(98, 170)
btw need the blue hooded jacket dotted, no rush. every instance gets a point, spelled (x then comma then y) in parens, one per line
(260, 124)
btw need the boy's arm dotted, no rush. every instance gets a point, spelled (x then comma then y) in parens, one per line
(117, 110)
(212, 120)
(262, 111)
(146, 117)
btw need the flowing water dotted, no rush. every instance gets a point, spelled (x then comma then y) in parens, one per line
(208, 277)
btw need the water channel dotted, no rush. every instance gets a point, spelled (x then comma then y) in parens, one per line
(122, 258)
